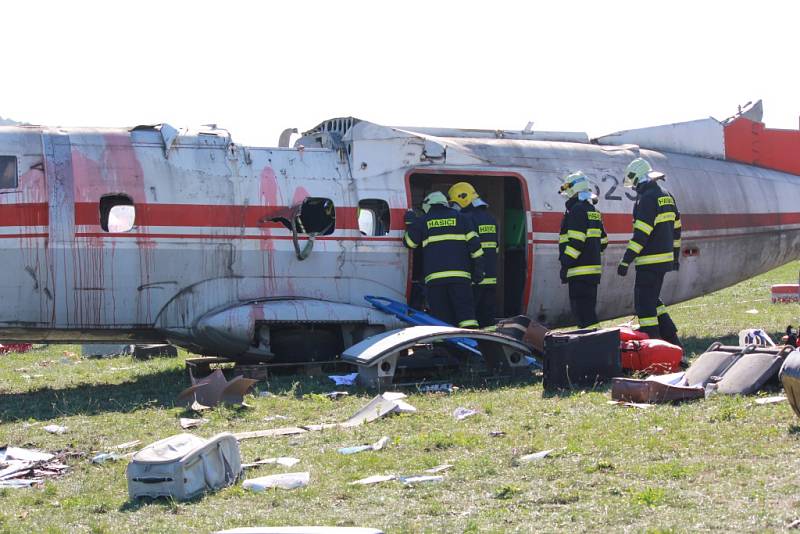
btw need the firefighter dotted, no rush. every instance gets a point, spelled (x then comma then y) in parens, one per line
(654, 248)
(464, 197)
(452, 259)
(580, 244)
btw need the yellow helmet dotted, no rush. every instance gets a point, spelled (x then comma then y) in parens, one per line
(462, 194)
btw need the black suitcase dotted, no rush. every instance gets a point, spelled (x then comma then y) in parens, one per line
(581, 358)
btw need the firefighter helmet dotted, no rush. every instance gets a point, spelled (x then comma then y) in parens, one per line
(436, 197)
(574, 183)
(462, 194)
(640, 172)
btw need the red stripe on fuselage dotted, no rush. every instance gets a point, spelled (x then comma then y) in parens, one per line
(28, 214)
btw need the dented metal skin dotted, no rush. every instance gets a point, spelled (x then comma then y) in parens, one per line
(206, 267)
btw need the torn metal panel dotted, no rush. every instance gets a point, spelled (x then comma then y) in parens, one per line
(376, 357)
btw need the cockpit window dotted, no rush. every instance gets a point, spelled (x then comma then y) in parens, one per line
(8, 172)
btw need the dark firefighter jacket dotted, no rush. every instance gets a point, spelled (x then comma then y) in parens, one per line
(450, 246)
(486, 226)
(656, 241)
(581, 241)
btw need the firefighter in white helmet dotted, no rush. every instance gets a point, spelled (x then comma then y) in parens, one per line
(581, 243)
(654, 248)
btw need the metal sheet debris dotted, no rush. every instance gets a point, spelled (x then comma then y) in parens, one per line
(285, 461)
(282, 481)
(374, 479)
(21, 468)
(215, 389)
(188, 423)
(344, 380)
(438, 468)
(536, 456)
(272, 432)
(378, 445)
(336, 395)
(462, 413)
(771, 400)
(416, 479)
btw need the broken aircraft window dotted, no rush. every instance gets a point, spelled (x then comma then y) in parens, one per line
(117, 213)
(8, 172)
(373, 217)
(317, 216)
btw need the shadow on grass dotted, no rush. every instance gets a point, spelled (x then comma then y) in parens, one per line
(157, 389)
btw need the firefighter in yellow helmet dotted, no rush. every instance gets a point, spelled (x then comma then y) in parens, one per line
(452, 259)
(581, 243)
(654, 248)
(464, 196)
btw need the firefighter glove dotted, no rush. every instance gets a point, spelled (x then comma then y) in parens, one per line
(622, 269)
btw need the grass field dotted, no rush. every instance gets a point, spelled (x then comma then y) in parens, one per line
(721, 464)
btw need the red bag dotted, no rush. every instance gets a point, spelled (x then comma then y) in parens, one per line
(654, 356)
(627, 333)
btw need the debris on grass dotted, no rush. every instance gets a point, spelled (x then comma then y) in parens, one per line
(536, 456)
(437, 388)
(128, 444)
(285, 461)
(274, 418)
(374, 479)
(771, 400)
(23, 468)
(639, 405)
(282, 481)
(378, 445)
(497, 433)
(462, 413)
(104, 457)
(416, 479)
(752, 311)
(344, 380)
(438, 468)
(187, 423)
(213, 390)
(55, 429)
(269, 433)
(336, 395)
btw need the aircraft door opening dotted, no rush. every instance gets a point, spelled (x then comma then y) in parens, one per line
(505, 195)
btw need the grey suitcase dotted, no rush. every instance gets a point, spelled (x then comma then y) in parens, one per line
(184, 466)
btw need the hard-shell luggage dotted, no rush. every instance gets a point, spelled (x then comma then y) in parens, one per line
(790, 377)
(626, 333)
(712, 363)
(184, 466)
(580, 358)
(653, 356)
(650, 391)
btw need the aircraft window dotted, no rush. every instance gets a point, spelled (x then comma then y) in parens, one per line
(8, 172)
(317, 216)
(117, 213)
(373, 217)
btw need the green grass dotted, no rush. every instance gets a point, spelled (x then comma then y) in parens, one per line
(722, 464)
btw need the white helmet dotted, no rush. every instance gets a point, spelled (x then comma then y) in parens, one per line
(574, 183)
(640, 172)
(435, 197)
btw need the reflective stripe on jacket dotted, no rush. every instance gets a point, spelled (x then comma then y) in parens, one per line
(656, 241)
(582, 240)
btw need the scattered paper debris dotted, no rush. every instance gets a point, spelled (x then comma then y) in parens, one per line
(438, 468)
(462, 413)
(497, 433)
(416, 479)
(374, 479)
(187, 423)
(272, 432)
(378, 445)
(752, 311)
(22, 468)
(535, 456)
(285, 461)
(55, 429)
(771, 400)
(344, 380)
(336, 395)
(794, 524)
(282, 481)
(128, 444)
(104, 457)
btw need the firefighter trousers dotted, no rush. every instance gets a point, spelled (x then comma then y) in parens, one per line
(653, 317)
(452, 302)
(484, 296)
(583, 301)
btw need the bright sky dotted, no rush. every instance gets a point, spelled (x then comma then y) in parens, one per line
(256, 68)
